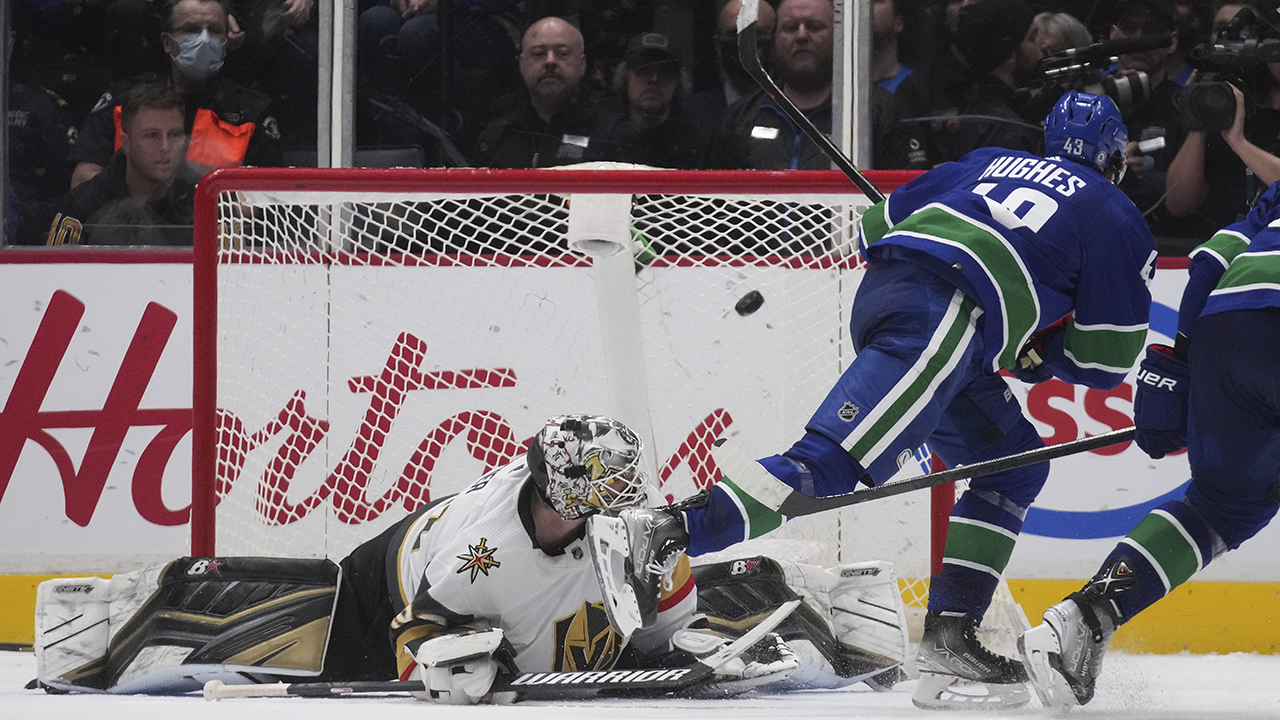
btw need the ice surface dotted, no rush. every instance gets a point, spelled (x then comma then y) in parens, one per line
(1155, 687)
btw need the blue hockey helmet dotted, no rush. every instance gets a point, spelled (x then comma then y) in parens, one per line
(1089, 130)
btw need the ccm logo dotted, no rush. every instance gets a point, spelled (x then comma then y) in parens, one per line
(1154, 380)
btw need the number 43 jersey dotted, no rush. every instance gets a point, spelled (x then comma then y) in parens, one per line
(1032, 240)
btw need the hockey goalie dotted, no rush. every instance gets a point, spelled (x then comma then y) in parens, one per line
(506, 577)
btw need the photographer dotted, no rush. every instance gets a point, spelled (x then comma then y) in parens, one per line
(1221, 168)
(1154, 124)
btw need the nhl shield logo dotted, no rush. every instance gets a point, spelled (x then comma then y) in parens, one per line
(847, 412)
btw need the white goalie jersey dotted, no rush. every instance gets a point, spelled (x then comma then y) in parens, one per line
(471, 560)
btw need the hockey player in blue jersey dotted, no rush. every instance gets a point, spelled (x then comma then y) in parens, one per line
(1217, 393)
(1002, 260)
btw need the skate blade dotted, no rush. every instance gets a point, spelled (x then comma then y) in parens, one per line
(1039, 649)
(948, 692)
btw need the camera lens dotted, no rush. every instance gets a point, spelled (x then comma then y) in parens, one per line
(1208, 106)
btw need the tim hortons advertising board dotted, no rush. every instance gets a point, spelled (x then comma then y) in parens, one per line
(95, 420)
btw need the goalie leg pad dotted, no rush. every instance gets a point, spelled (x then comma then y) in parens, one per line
(72, 632)
(867, 614)
(171, 628)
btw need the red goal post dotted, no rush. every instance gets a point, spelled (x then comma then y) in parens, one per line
(365, 340)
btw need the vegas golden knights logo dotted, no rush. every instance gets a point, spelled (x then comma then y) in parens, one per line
(586, 641)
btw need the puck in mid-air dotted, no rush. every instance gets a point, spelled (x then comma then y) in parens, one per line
(749, 303)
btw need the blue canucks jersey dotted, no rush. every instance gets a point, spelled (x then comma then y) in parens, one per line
(1238, 268)
(1032, 240)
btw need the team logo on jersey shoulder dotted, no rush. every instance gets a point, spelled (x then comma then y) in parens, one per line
(847, 412)
(479, 559)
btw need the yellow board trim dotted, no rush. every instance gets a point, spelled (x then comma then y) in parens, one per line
(1197, 617)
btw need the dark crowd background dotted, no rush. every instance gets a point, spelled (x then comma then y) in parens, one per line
(95, 86)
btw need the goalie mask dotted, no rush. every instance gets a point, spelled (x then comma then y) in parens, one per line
(584, 464)
(1089, 130)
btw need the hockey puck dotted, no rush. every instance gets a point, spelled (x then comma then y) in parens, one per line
(749, 303)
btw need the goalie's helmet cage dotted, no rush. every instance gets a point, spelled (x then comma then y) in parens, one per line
(585, 464)
(1088, 129)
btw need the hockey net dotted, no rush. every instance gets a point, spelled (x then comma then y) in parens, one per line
(369, 340)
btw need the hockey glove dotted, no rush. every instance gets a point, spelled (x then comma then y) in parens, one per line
(1042, 351)
(460, 668)
(1160, 403)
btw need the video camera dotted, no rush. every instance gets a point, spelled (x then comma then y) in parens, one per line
(1246, 43)
(1081, 69)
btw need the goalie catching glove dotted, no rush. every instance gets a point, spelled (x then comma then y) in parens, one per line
(460, 668)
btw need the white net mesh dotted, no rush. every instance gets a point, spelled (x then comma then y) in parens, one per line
(378, 347)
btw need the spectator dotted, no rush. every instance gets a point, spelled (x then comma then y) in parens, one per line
(706, 107)
(650, 84)
(400, 54)
(279, 55)
(755, 134)
(1154, 120)
(64, 46)
(40, 134)
(554, 124)
(886, 25)
(1057, 32)
(1216, 177)
(932, 96)
(146, 193)
(228, 124)
(999, 42)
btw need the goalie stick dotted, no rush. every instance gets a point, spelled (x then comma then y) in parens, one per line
(538, 685)
(797, 503)
(749, 54)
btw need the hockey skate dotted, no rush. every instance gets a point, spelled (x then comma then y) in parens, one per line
(958, 673)
(1064, 653)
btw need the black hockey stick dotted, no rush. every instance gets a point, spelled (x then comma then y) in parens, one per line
(541, 685)
(797, 503)
(749, 55)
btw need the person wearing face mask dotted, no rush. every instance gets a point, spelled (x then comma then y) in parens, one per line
(228, 124)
